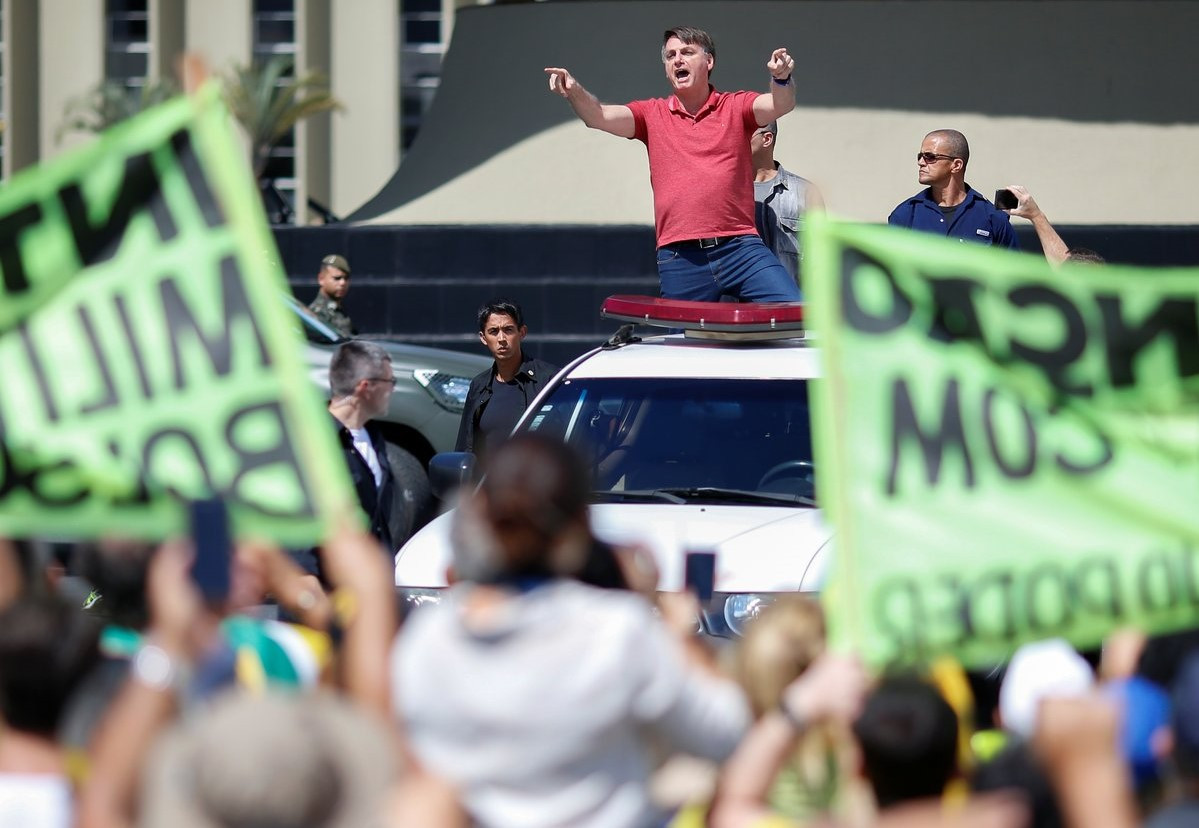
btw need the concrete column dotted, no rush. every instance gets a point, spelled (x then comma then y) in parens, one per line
(71, 60)
(313, 172)
(448, 10)
(219, 31)
(166, 38)
(365, 77)
(21, 105)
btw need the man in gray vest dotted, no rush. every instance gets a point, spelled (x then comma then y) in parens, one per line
(782, 199)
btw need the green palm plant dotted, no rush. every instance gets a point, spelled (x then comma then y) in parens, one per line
(268, 101)
(109, 103)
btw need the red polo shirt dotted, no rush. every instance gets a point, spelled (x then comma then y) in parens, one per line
(699, 165)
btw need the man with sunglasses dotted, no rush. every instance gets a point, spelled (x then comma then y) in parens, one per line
(949, 206)
(698, 146)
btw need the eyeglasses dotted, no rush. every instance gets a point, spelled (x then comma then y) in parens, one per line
(931, 157)
(390, 380)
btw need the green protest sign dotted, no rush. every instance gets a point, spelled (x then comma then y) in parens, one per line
(1008, 452)
(145, 352)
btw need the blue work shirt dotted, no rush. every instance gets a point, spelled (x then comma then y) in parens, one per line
(976, 219)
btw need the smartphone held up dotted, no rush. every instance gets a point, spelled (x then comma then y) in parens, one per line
(213, 549)
(1006, 200)
(699, 575)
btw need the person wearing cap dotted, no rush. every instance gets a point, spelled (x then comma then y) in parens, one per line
(334, 282)
(1037, 671)
(697, 142)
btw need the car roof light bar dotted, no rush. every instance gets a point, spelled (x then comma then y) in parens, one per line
(714, 317)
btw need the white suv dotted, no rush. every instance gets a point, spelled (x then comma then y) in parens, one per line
(698, 441)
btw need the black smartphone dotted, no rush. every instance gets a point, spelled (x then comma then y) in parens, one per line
(699, 574)
(1006, 200)
(213, 546)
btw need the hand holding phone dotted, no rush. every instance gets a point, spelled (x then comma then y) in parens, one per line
(213, 549)
(1006, 200)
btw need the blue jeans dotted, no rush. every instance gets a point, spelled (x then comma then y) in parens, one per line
(742, 267)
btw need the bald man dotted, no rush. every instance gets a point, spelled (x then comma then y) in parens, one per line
(949, 206)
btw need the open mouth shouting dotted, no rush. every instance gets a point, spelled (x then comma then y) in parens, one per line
(685, 64)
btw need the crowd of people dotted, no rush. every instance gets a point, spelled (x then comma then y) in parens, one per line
(535, 694)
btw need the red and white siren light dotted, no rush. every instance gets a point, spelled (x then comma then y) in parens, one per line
(705, 317)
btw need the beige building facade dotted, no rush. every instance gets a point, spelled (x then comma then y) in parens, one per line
(1101, 136)
(52, 52)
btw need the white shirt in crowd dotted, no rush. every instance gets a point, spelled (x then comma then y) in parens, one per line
(546, 717)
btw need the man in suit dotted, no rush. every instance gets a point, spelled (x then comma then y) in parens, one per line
(361, 382)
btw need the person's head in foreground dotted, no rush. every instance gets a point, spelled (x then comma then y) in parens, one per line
(908, 736)
(528, 518)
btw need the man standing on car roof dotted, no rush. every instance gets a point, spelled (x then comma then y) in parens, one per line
(698, 146)
(500, 394)
(334, 281)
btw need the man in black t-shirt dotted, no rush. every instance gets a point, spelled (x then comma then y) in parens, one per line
(499, 395)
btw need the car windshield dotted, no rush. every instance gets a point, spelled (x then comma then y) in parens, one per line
(687, 440)
(315, 331)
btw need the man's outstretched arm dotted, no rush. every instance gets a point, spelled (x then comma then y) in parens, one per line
(781, 98)
(614, 118)
(1027, 207)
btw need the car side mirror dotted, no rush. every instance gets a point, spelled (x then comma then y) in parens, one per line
(449, 470)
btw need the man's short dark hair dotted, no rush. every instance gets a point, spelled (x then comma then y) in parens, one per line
(909, 738)
(692, 36)
(957, 145)
(505, 307)
(46, 649)
(1017, 768)
(1084, 255)
(354, 361)
(117, 570)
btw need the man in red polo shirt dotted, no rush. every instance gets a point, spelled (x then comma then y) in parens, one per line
(699, 165)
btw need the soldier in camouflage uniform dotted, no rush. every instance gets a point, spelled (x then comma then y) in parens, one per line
(334, 281)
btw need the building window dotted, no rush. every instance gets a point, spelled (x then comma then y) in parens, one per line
(274, 28)
(127, 44)
(422, 48)
(275, 34)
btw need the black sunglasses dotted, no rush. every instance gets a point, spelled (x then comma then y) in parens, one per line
(931, 157)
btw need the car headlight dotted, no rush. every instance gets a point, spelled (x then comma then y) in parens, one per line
(448, 390)
(416, 597)
(742, 608)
